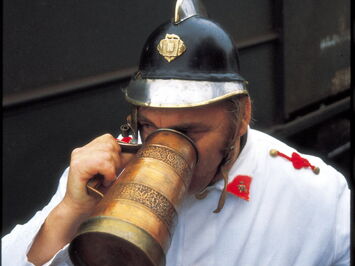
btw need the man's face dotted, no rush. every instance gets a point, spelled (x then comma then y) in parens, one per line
(209, 127)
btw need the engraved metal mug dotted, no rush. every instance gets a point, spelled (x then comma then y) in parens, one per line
(134, 222)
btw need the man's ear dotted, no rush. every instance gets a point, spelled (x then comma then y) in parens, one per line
(245, 120)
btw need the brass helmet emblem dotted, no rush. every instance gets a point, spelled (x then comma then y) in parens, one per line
(171, 47)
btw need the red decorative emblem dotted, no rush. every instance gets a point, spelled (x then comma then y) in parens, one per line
(297, 161)
(240, 186)
(126, 139)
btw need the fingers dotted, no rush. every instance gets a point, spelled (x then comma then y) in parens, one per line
(125, 158)
(90, 162)
(105, 142)
(101, 156)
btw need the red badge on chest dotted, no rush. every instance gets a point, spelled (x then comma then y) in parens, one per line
(240, 186)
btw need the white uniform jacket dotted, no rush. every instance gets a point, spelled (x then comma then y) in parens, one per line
(293, 216)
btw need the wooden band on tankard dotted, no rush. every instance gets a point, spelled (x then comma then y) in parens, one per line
(134, 222)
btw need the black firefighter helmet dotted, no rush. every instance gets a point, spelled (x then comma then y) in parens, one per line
(189, 61)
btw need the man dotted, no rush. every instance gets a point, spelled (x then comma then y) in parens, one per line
(252, 201)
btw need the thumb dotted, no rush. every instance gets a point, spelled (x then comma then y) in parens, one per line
(126, 158)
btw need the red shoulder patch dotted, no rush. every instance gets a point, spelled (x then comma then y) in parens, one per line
(240, 186)
(297, 161)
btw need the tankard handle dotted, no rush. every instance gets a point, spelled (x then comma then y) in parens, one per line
(93, 186)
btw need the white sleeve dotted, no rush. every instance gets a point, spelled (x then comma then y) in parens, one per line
(342, 227)
(17, 243)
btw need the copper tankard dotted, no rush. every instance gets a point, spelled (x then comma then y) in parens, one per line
(134, 222)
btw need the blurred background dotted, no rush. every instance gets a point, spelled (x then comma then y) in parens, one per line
(65, 63)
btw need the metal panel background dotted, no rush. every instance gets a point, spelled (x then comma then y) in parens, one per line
(46, 42)
(317, 51)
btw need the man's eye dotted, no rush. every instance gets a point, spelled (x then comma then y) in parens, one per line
(194, 135)
(184, 132)
(146, 125)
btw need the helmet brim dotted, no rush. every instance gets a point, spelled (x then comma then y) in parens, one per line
(176, 93)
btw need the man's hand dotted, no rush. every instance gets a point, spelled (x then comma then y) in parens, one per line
(101, 156)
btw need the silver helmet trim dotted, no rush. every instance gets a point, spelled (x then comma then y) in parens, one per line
(176, 93)
(185, 9)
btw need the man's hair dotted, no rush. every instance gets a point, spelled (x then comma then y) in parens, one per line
(235, 105)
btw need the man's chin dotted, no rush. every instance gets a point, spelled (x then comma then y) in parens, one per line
(195, 190)
(200, 188)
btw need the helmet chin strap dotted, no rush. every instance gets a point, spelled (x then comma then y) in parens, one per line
(232, 153)
(229, 159)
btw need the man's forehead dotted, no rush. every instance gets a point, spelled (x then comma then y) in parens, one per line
(185, 110)
(180, 116)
